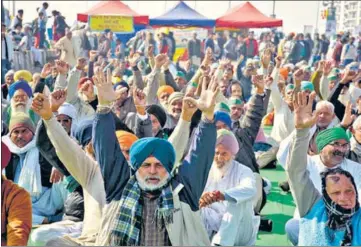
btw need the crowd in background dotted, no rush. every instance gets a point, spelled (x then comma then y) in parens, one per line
(115, 143)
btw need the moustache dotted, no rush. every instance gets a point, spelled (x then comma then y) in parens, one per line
(20, 139)
(338, 153)
(147, 178)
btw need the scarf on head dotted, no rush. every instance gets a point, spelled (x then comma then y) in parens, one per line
(339, 217)
(30, 176)
(128, 221)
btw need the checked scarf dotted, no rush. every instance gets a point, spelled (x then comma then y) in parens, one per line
(127, 226)
(339, 217)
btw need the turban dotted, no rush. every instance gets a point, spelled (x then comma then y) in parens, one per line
(5, 155)
(23, 75)
(122, 84)
(228, 140)
(223, 117)
(165, 89)
(327, 136)
(83, 80)
(235, 101)
(223, 107)
(159, 148)
(83, 133)
(289, 87)
(68, 110)
(20, 85)
(332, 76)
(125, 138)
(307, 85)
(175, 96)
(159, 113)
(181, 75)
(284, 73)
(21, 119)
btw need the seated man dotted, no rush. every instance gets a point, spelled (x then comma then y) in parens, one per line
(169, 197)
(329, 209)
(30, 170)
(15, 208)
(232, 208)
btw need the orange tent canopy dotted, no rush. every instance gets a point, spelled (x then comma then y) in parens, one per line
(246, 15)
(113, 8)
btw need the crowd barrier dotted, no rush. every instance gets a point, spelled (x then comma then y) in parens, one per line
(26, 59)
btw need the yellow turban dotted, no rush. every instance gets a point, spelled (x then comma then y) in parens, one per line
(125, 138)
(165, 89)
(23, 75)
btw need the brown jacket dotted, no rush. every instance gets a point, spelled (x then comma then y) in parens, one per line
(15, 214)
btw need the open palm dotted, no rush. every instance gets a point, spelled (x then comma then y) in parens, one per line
(106, 94)
(304, 118)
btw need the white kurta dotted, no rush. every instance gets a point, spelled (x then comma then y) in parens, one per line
(229, 218)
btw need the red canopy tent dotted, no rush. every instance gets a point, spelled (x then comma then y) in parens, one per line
(114, 8)
(246, 16)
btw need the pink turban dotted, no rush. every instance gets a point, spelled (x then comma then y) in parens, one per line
(228, 140)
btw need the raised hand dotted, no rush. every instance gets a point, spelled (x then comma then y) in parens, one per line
(87, 90)
(321, 65)
(92, 55)
(266, 58)
(46, 70)
(150, 51)
(258, 82)
(278, 60)
(41, 106)
(166, 64)
(304, 118)
(134, 59)
(348, 76)
(106, 94)
(188, 109)
(348, 118)
(224, 62)
(208, 57)
(81, 63)
(268, 81)
(159, 60)
(62, 67)
(57, 98)
(139, 97)
(298, 76)
(207, 99)
(327, 68)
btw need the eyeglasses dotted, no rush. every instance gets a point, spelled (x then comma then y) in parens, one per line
(339, 145)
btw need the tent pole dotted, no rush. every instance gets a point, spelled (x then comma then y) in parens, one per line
(229, 4)
(274, 9)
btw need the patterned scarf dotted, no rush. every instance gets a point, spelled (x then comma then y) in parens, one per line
(127, 226)
(339, 217)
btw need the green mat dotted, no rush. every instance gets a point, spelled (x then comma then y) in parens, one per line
(279, 208)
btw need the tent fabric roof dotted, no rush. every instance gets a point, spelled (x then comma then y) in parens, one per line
(246, 16)
(182, 15)
(113, 7)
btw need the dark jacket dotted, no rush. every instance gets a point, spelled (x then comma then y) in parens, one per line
(74, 204)
(193, 173)
(246, 83)
(247, 132)
(194, 48)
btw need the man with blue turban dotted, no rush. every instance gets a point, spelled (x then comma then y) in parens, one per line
(149, 201)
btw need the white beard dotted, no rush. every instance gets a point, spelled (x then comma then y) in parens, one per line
(151, 187)
(218, 173)
(20, 108)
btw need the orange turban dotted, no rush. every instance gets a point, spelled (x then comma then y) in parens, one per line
(165, 89)
(284, 73)
(125, 138)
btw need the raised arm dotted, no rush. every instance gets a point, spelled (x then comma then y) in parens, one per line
(113, 165)
(276, 96)
(303, 190)
(153, 80)
(195, 168)
(73, 80)
(252, 120)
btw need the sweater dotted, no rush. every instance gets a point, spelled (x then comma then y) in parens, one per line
(187, 184)
(15, 214)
